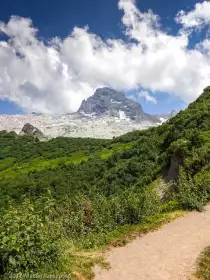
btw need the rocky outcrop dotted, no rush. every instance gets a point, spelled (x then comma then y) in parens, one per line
(29, 129)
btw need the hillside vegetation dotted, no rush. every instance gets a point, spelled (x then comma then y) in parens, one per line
(80, 193)
(203, 265)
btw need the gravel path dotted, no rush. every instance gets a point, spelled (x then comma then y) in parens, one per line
(169, 253)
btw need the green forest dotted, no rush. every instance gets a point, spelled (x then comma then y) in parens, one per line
(70, 195)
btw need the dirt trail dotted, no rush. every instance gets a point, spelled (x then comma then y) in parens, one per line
(169, 253)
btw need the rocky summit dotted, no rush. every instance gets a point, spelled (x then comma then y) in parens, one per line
(112, 103)
(107, 113)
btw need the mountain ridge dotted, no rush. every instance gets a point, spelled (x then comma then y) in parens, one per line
(106, 114)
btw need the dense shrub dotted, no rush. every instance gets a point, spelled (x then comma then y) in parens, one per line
(193, 193)
(28, 238)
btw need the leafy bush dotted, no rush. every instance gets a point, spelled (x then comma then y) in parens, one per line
(27, 238)
(191, 195)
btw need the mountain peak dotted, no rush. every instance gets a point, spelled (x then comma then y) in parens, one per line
(107, 101)
(106, 91)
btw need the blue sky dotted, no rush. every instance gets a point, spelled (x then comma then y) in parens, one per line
(58, 18)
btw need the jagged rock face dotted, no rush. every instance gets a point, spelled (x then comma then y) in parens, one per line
(29, 129)
(106, 101)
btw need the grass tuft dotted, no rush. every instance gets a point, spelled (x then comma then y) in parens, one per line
(203, 265)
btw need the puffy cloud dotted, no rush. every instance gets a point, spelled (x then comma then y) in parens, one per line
(147, 96)
(196, 18)
(55, 77)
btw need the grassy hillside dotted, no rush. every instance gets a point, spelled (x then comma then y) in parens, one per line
(86, 191)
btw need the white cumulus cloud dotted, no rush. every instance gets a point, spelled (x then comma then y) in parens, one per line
(55, 77)
(199, 16)
(149, 98)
